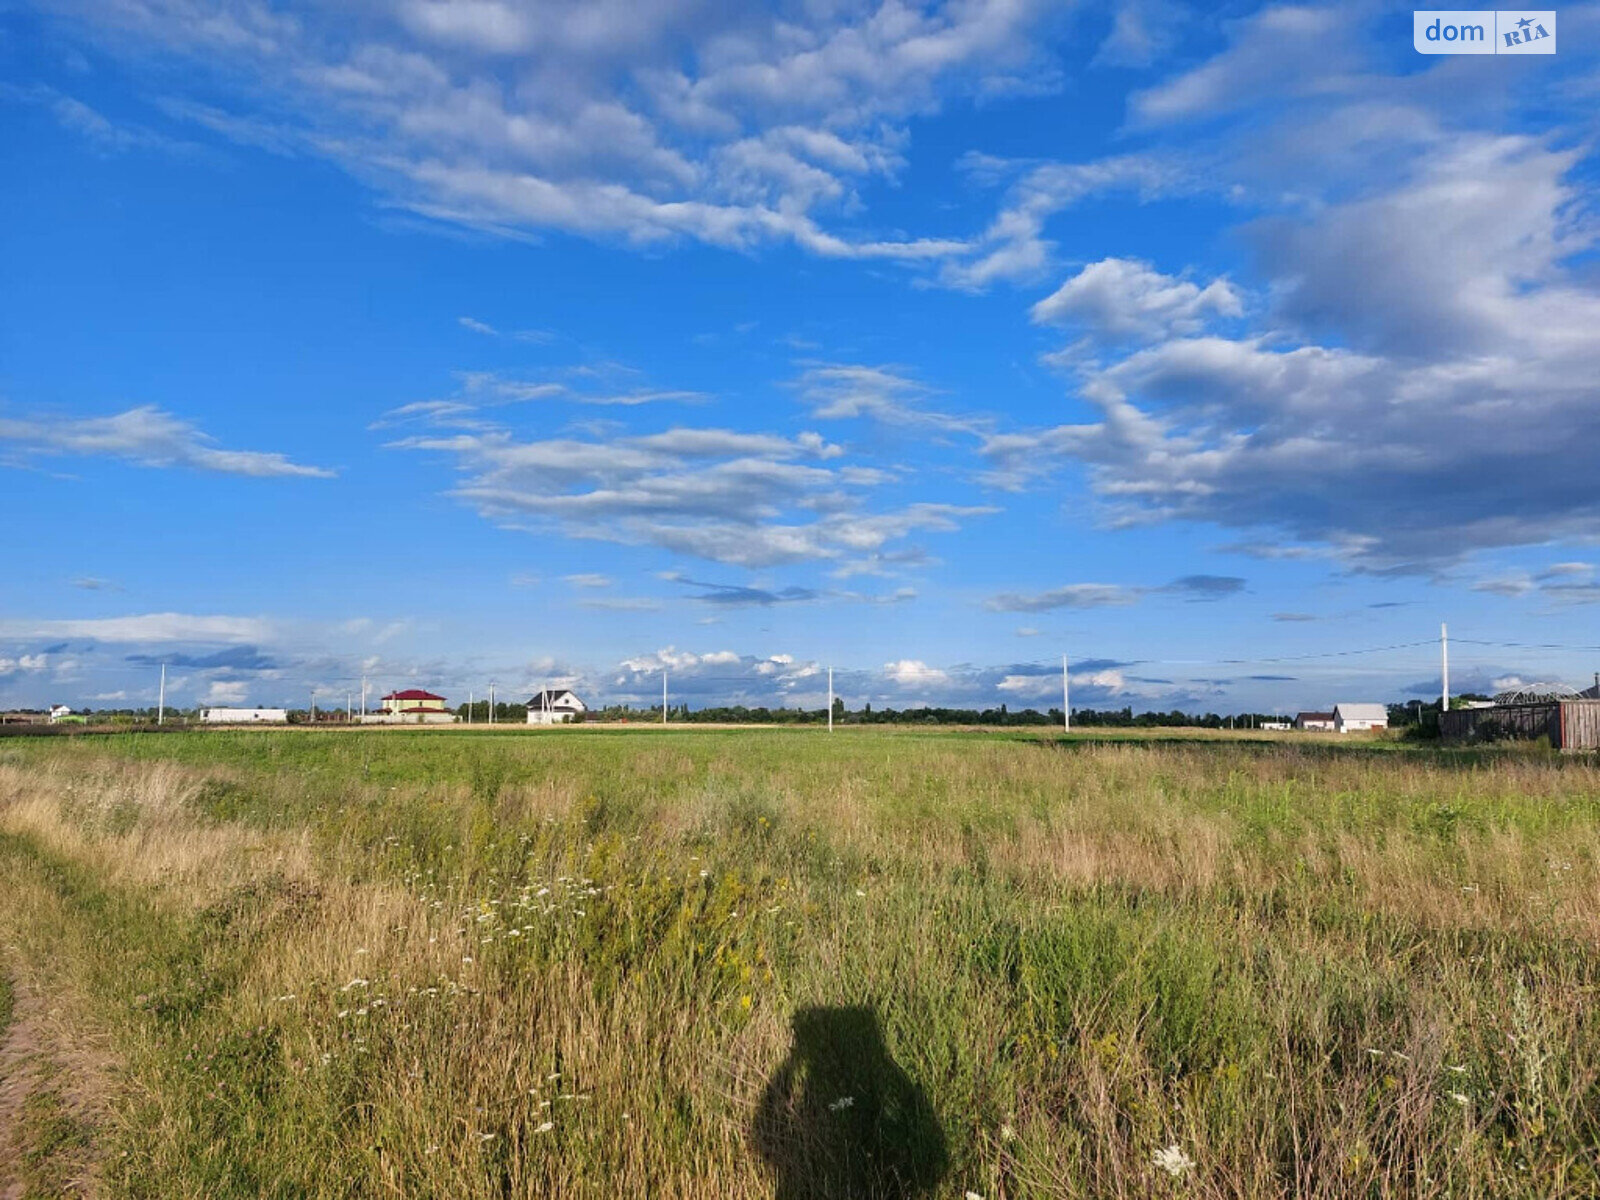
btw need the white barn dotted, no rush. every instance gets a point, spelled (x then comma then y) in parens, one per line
(1359, 718)
(555, 706)
(245, 716)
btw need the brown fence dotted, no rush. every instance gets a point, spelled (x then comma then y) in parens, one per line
(1568, 724)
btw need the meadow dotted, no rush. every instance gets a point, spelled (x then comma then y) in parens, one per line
(782, 963)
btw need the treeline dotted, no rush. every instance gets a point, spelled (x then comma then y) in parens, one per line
(1003, 715)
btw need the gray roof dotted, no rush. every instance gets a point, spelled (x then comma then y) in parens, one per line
(551, 698)
(1361, 712)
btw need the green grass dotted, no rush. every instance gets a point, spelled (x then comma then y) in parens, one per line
(775, 962)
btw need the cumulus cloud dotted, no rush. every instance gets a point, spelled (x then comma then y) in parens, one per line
(914, 674)
(1417, 386)
(1121, 298)
(148, 437)
(226, 691)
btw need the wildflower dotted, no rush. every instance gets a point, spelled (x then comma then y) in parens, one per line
(1459, 1070)
(545, 1128)
(1173, 1161)
(859, 892)
(1008, 1132)
(1461, 1098)
(973, 1196)
(842, 1103)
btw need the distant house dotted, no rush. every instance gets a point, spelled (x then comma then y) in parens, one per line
(412, 702)
(1314, 722)
(1360, 718)
(555, 706)
(411, 707)
(244, 716)
(59, 713)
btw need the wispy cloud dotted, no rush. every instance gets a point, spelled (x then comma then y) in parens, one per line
(148, 437)
(747, 499)
(625, 126)
(145, 627)
(1112, 595)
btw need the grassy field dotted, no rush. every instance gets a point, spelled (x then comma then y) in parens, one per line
(765, 963)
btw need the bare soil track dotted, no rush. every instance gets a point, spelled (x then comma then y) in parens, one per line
(49, 1095)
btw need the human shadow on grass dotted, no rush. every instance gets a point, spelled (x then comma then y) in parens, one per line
(840, 1120)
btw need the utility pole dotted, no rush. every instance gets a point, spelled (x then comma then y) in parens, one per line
(469, 708)
(313, 706)
(830, 699)
(349, 709)
(663, 697)
(363, 697)
(1066, 697)
(491, 702)
(161, 696)
(1444, 669)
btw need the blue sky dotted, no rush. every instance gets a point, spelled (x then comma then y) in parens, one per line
(448, 341)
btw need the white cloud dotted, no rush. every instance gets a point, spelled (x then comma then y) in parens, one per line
(148, 627)
(1416, 388)
(589, 579)
(149, 437)
(1014, 246)
(915, 674)
(642, 121)
(843, 391)
(748, 499)
(1122, 298)
(227, 691)
(1282, 51)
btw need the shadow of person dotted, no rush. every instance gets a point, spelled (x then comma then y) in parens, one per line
(840, 1120)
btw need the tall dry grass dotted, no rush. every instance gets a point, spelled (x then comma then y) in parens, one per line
(607, 965)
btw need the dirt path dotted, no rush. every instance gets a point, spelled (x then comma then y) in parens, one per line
(46, 1104)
